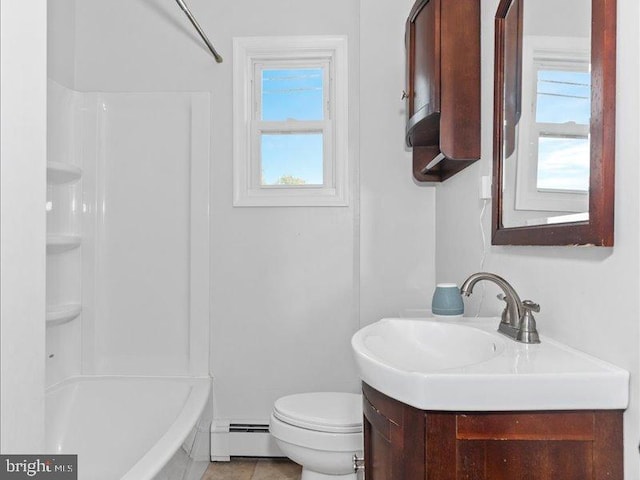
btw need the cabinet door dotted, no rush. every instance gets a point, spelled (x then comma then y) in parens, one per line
(582, 445)
(393, 438)
(378, 447)
(423, 50)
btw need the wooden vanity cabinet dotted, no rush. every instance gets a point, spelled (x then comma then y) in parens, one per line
(443, 86)
(404, 443)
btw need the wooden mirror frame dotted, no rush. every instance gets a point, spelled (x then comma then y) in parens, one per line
(598, 230)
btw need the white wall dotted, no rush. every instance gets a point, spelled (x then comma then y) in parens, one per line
(397, 233)
(22, 223)
(538, 21)
(589, 296)
(285, 294)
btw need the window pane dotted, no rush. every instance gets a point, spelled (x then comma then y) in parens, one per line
(563, 164)
(292, 94)
(563, 96)
(292, 159)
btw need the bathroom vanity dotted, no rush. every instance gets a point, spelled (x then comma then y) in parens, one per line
(403, 442)
(454, 400)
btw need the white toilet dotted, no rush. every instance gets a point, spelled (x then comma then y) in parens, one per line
(320, 431)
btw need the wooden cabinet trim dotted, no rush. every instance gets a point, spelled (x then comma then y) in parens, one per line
(383, 405)
(526, 426)
(608, 461)
(440, 446)
(376, 419)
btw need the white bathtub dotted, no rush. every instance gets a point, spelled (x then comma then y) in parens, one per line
(125, 428)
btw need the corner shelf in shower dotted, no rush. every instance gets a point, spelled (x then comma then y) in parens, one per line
(61, 243)
(58, 173)
(60, 314)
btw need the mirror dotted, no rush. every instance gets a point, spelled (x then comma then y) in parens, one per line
(554, 122)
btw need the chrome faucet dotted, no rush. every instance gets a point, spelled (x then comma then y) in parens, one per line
(517, 318)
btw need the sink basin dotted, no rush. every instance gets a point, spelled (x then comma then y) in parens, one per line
(429, 346)
(465, 365)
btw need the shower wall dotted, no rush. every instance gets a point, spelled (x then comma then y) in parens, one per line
(61, 36)
(132, 255)
(64, 198)
(146, 196)
(127, 224)
(63, 316)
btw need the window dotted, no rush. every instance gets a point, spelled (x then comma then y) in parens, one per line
(554, 129)
(290, 121)
(561, 127)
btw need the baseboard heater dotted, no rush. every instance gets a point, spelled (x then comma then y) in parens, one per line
(242, 440)
(248, 428)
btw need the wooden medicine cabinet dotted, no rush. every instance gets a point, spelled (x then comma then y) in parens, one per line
(443, 87)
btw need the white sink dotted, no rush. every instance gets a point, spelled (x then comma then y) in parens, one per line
(465, 365)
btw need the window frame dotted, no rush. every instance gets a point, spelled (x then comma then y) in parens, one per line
(253, 55)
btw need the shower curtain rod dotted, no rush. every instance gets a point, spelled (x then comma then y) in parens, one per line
(194, 22)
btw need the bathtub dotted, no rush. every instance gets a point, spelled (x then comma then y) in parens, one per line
(127, 428)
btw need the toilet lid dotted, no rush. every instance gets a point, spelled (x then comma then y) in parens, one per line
(329, 412)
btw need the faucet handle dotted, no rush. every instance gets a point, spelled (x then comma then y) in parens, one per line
(528, 333)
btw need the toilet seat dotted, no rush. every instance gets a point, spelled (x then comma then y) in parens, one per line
(328, 412)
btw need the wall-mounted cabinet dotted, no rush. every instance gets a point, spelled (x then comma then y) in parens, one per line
(443, 87)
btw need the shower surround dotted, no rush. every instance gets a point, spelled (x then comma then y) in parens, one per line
(128, 279)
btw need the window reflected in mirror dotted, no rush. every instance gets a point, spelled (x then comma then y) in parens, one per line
(546, 167)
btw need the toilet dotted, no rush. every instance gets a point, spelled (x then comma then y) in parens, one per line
(321, 431)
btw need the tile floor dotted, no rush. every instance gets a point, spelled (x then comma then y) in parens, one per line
(253, 469)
